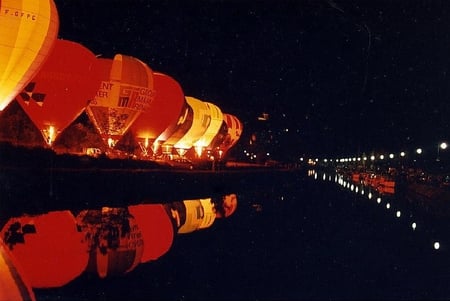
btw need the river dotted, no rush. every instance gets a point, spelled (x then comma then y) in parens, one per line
(295, 235)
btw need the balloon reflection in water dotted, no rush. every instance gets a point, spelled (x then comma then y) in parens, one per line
(13, 285)
(56, 247)
(48, 246)
(114, 240)
(156, 229)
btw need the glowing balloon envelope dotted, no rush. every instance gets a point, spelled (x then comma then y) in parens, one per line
(201, 119)
(156, 227)
(49, 247)
(126, 90)
(176, 130)
(13, 285)
(114, 239)
(60, 91)
(28, 30)
(212, 129)
(235, 129)
(161, 113)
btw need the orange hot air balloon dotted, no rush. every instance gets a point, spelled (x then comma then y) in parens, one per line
(60, 91)
(49, 247)
(162, 112)
(13, 283)
(28, 30)
(114, 240)
(156, 227)
(126, 90)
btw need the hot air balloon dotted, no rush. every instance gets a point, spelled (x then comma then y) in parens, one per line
(114, 240)
(176, 130)
(156, 228)
(161, 113)
(60, 91)
(13, 283)
(49, 247)
(211, 131)
(126, 90)
(227, 139)
(28, 30)
(201, 115)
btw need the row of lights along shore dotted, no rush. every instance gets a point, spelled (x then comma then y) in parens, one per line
(419, 151)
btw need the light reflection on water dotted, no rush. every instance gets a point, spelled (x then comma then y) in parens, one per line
(294, 236)
(392, 203)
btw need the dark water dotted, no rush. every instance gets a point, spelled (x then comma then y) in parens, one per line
(312, 239)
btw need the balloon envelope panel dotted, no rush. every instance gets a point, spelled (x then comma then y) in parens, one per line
(28, 30)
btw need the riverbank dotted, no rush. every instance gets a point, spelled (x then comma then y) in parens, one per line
(40, 181)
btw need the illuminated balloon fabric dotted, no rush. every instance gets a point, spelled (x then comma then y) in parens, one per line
(49, 247)
(114, 240)
(177, 130)
(156, 228)
(61, 89)
(13, 283)
(199, 215)
(126, 90)
(201, 121)
(213, 128)
(220, 136)
(27, 32)
(235, 129)
(163, 111)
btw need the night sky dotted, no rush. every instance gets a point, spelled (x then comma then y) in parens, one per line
(343, 77)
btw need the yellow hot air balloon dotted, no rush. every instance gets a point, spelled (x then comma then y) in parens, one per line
(28, 30)
(201, 121)
(211, 131)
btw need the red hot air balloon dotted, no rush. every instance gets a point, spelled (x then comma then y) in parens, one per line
(49, 247)
(60, 91)
(13, 283)
(126, 91)
(162, 112)
(114, 240)
(28, 30)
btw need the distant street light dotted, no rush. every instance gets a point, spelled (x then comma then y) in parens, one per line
(442, 145)
(419, 151)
